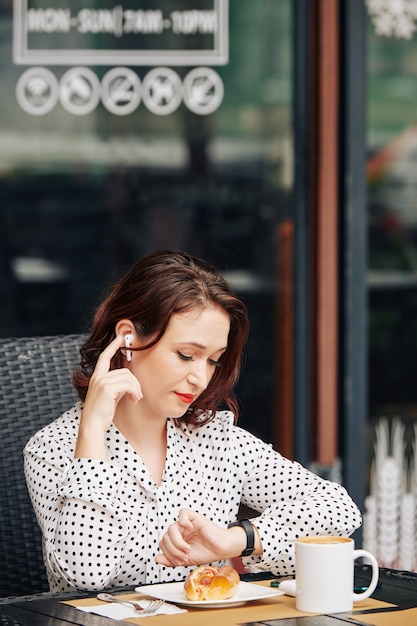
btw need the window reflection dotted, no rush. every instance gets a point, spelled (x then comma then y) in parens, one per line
(84, 196)
(392, 221)
(389, 529)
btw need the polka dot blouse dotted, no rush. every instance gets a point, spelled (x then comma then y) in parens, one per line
(102, 521)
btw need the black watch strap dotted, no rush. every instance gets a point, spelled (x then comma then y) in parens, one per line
(250, 535)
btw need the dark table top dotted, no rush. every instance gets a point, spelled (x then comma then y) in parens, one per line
(397, 587)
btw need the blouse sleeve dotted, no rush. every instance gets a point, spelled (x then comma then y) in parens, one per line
(83, 523)
(292, 502)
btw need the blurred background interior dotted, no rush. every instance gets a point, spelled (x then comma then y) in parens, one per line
(300, 184)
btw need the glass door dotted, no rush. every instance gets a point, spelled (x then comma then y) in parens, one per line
(131, 127)
(389, 529)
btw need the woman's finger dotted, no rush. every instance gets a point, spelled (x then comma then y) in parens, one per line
(104, 360)
(172, 543)
(186, 518)
(114, 384)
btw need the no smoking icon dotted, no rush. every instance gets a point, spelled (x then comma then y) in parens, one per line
(121, 91)
(203, 90)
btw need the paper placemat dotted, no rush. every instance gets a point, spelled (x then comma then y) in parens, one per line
(277, 607)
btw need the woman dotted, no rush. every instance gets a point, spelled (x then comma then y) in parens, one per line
(140, 481)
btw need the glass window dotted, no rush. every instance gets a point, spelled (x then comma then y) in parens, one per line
(392, 287)
(101, 164)
(392, 221)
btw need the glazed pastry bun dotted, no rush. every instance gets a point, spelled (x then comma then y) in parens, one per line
(209, 582)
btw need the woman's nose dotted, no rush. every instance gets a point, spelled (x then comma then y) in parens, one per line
(198, 375)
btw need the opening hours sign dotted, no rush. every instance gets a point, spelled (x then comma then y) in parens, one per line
(104, 32)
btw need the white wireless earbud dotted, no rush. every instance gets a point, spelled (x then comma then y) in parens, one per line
(128, 343)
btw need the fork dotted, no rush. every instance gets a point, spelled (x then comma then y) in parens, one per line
(152, 607)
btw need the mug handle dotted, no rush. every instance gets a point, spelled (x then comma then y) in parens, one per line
(375, 575)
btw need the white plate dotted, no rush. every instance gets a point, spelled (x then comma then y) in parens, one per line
(174, 592)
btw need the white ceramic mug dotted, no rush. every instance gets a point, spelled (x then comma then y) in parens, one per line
(324, 574)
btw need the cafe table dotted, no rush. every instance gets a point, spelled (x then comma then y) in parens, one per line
(394, 603)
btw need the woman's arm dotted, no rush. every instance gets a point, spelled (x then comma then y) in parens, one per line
(73, 487)
(105, 390)
(83, 523)
(292, 502)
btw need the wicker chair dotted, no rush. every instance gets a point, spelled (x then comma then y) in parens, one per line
(36, 387)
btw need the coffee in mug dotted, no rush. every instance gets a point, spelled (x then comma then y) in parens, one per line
(324, 574)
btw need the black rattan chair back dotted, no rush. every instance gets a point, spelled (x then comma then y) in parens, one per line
(36, 387)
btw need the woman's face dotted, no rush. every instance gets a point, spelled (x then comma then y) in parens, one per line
(175, 371)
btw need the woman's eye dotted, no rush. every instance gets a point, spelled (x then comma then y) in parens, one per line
(184, 357)
(215, 363)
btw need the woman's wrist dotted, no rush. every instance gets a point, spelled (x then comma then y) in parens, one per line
(90, 446)
(246, 540)
(237, 537)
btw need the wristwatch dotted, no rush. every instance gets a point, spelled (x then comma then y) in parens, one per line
(250, 535)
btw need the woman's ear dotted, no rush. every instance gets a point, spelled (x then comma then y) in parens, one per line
(125, 327)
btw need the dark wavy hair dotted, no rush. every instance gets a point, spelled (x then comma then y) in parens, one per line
(156, 287)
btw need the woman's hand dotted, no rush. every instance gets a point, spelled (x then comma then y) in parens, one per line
(195, 540)
(105, 390)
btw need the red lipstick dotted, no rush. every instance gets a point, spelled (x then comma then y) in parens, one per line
(187, 398)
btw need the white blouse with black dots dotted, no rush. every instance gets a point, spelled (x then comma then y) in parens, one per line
(102, 522)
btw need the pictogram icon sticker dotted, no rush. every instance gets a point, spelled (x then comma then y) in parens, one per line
(37, 91)
(121, 91)
(79, 91)
(203, 90)
(162, 91)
